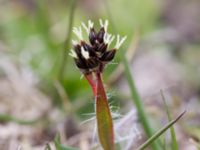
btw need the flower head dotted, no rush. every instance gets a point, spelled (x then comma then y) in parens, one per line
(92, 56)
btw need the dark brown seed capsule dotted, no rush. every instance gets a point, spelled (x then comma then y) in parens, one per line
(92, 36)
(85, 45)
(88, 48)
(81, 64)
(108, 56)
(102, 47)
(77, 49)
(100, 35)
(92, 63)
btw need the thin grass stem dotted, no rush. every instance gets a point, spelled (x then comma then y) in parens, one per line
(160, 132)
(174, 143)
(9, 118)
(67, 41)
(137, 100)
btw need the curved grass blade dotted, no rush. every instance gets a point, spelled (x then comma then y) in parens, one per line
(160, 132)
(172, 132)
(137, 101)
(68, 40)
(59, 146)
(9, 118)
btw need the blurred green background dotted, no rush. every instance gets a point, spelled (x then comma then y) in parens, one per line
(33, 36)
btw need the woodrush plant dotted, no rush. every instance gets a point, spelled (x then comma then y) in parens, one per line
(91, 58)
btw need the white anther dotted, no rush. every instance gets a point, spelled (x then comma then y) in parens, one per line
(104, 24)
(119, 41)
(73, 54)
(74, 42)
(112, 38)
(108, 38)
(87, 28)
(78, 32)
(85, 53)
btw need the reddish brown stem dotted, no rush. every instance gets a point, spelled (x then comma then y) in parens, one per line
(103, 115)
(92, 83)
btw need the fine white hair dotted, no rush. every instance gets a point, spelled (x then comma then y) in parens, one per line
(104, 24)
(119, 41)
(78, 32)
(73, 54)
(88, 27)
(108, 38)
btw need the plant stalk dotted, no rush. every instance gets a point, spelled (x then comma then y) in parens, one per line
(68, 39)
(134, 93)
(92, 83)
(103, 115)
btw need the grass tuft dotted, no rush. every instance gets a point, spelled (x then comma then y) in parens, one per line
(174, 144)
(160, 132)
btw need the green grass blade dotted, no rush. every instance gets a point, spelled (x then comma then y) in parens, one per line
(137, 100)
(9, 118)
(48, 147)
(68, 40)
(164, 144)
(160, 132)
(172, 132)
(59, 146)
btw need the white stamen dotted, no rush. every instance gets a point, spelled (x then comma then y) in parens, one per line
(112, 38)
(85, 53)
(104, 24)
(87, 28)
(108, 38)
(74, 42)
(73, 54)
(119, 41)
(78, 32)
